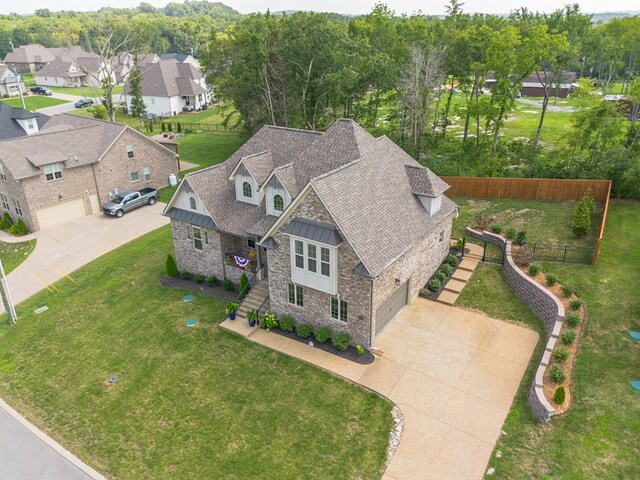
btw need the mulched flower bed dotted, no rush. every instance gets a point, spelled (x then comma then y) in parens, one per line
(433, 295)
(217, 292)
(350, 354)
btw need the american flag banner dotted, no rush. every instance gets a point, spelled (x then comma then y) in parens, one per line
(240, 262)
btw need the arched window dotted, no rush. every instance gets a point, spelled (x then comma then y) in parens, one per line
(192, 203)
(278, 203)
(246, 190)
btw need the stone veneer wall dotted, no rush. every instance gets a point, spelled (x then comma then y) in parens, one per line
(207, 261)
(544, 304)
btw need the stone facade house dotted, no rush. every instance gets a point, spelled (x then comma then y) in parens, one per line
(68, 166)
(344, 228)
(11, 84)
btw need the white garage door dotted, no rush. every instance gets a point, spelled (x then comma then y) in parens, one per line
(391, 306)
(61, 212)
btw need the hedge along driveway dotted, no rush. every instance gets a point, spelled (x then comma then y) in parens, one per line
(189, 402)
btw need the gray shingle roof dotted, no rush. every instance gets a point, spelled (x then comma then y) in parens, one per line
(9, 128)
(167, 78)
(363, 182)
(31, 53)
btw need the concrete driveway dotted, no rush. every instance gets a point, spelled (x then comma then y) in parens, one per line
(64, 248)
(452, 372)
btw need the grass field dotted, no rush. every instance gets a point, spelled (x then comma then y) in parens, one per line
(89, 92)
(13, 254)
(598, 436)
(189, 402)
(544, 221)
(35, 102)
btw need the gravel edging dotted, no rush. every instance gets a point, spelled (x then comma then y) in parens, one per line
(396, 433)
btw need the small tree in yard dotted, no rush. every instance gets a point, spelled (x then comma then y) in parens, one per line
(244, 285)
(582, 214)
(172, 267)
(169, 128)
(138, 108)
(179, 128)
(163, 127)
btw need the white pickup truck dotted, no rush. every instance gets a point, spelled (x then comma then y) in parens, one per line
(129, 200)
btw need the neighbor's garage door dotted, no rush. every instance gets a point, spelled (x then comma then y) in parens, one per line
(391, 307)
(61, 212)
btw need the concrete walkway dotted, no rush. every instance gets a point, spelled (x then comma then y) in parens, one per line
(64, 248)
(452, 372)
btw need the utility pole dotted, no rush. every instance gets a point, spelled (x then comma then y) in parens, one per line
(18, 78)
(6, 297)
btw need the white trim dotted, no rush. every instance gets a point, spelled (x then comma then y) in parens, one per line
(309, 278)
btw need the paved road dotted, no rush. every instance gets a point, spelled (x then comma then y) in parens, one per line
(26, 454)
(68, 107)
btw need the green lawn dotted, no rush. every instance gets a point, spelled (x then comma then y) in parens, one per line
(89, 92)
(544, 221)
(189, 402)
(598, 436)
(13, 254)
(35, 102)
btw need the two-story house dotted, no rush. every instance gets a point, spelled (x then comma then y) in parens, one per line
(345, 228)
(68, 166)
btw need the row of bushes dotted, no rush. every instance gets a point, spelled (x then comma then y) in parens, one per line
(443, 273)
(551, 280)
(167, 127)
(7, 224)
(212, 281)
(340, 340)
(519, 237)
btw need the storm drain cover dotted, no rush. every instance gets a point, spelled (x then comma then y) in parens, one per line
(187, 298)
(191, 322)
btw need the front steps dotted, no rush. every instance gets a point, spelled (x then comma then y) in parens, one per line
(254, 300)
(460, 277)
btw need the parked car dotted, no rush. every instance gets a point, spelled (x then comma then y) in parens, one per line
(129, 200)
(41, 91)
(83, 102)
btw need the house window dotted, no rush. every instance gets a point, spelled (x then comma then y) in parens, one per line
(135, 176)
(299, 254)
(197, 238)
(251, 243)
(441, 239)
(16, 205)
(296, 295)
(30, 123)
(246, 190)
(278, 203)
(52, 172)
(192, 203)
(325, 262)
(153, 101)
(2, 174)
(5, 201)
(314, 265)
(338, 309)
(130, 151)
(147, 173)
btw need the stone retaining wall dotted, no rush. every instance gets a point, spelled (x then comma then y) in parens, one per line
(544, 304)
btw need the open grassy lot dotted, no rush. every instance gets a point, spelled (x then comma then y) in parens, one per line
(544, 221)
(598, 436)
(89, 92)
(189, 402)
(13, 254)
(35, 102)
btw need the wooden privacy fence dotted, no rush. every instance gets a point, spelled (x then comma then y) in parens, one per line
(535, 189)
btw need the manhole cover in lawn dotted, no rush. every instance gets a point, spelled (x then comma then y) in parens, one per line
(191, 322)
(187, 298)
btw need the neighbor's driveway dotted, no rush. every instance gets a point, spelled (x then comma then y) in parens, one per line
(64, 248)
(452, 372)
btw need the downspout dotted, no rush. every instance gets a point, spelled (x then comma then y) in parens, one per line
(95, 180)
(371, 326)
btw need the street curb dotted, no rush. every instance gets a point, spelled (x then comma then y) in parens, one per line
(72, 459)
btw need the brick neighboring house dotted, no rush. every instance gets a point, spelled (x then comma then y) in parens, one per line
(70, 166)
(29, 58)
(345, 228)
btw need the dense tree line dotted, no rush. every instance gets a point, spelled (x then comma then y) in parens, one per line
(407, 77)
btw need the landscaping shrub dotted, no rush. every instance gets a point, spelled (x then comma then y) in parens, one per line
(567, 290)
(244, 285)
(572, 318)
(459, 246)
(446, 269)
(172, 267)
(287, 323)
(186, 275)
(582, 214)
(434, 284)
(360, 350)
(556, 374)
(551, 279)
(341, 340)
(568, 337)
(511, 233)
(163, 127)
(534, 269)
(169, 127)
(559, 396)
(560, 354)
(179, 128)
(268, 321)
(424, 292)
(440, 276)
(199, 278)
(497, 228)
(303, 330)
(21, 227)
(227, 284)
(451, 260)
(12, 230)
(150, 127)
(8, 221)
(575, 304)
(322, 334)
(521, 238)
(213, 281)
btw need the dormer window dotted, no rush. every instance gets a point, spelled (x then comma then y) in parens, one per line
(278, 203)
(30, 124)
(192, 203)
(247, 191)
(53, 172)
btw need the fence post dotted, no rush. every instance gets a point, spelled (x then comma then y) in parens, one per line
(565, 253)
(533, 255)
(484, 252)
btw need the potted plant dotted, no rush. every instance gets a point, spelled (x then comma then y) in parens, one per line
(232, 308)
(252, 318)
